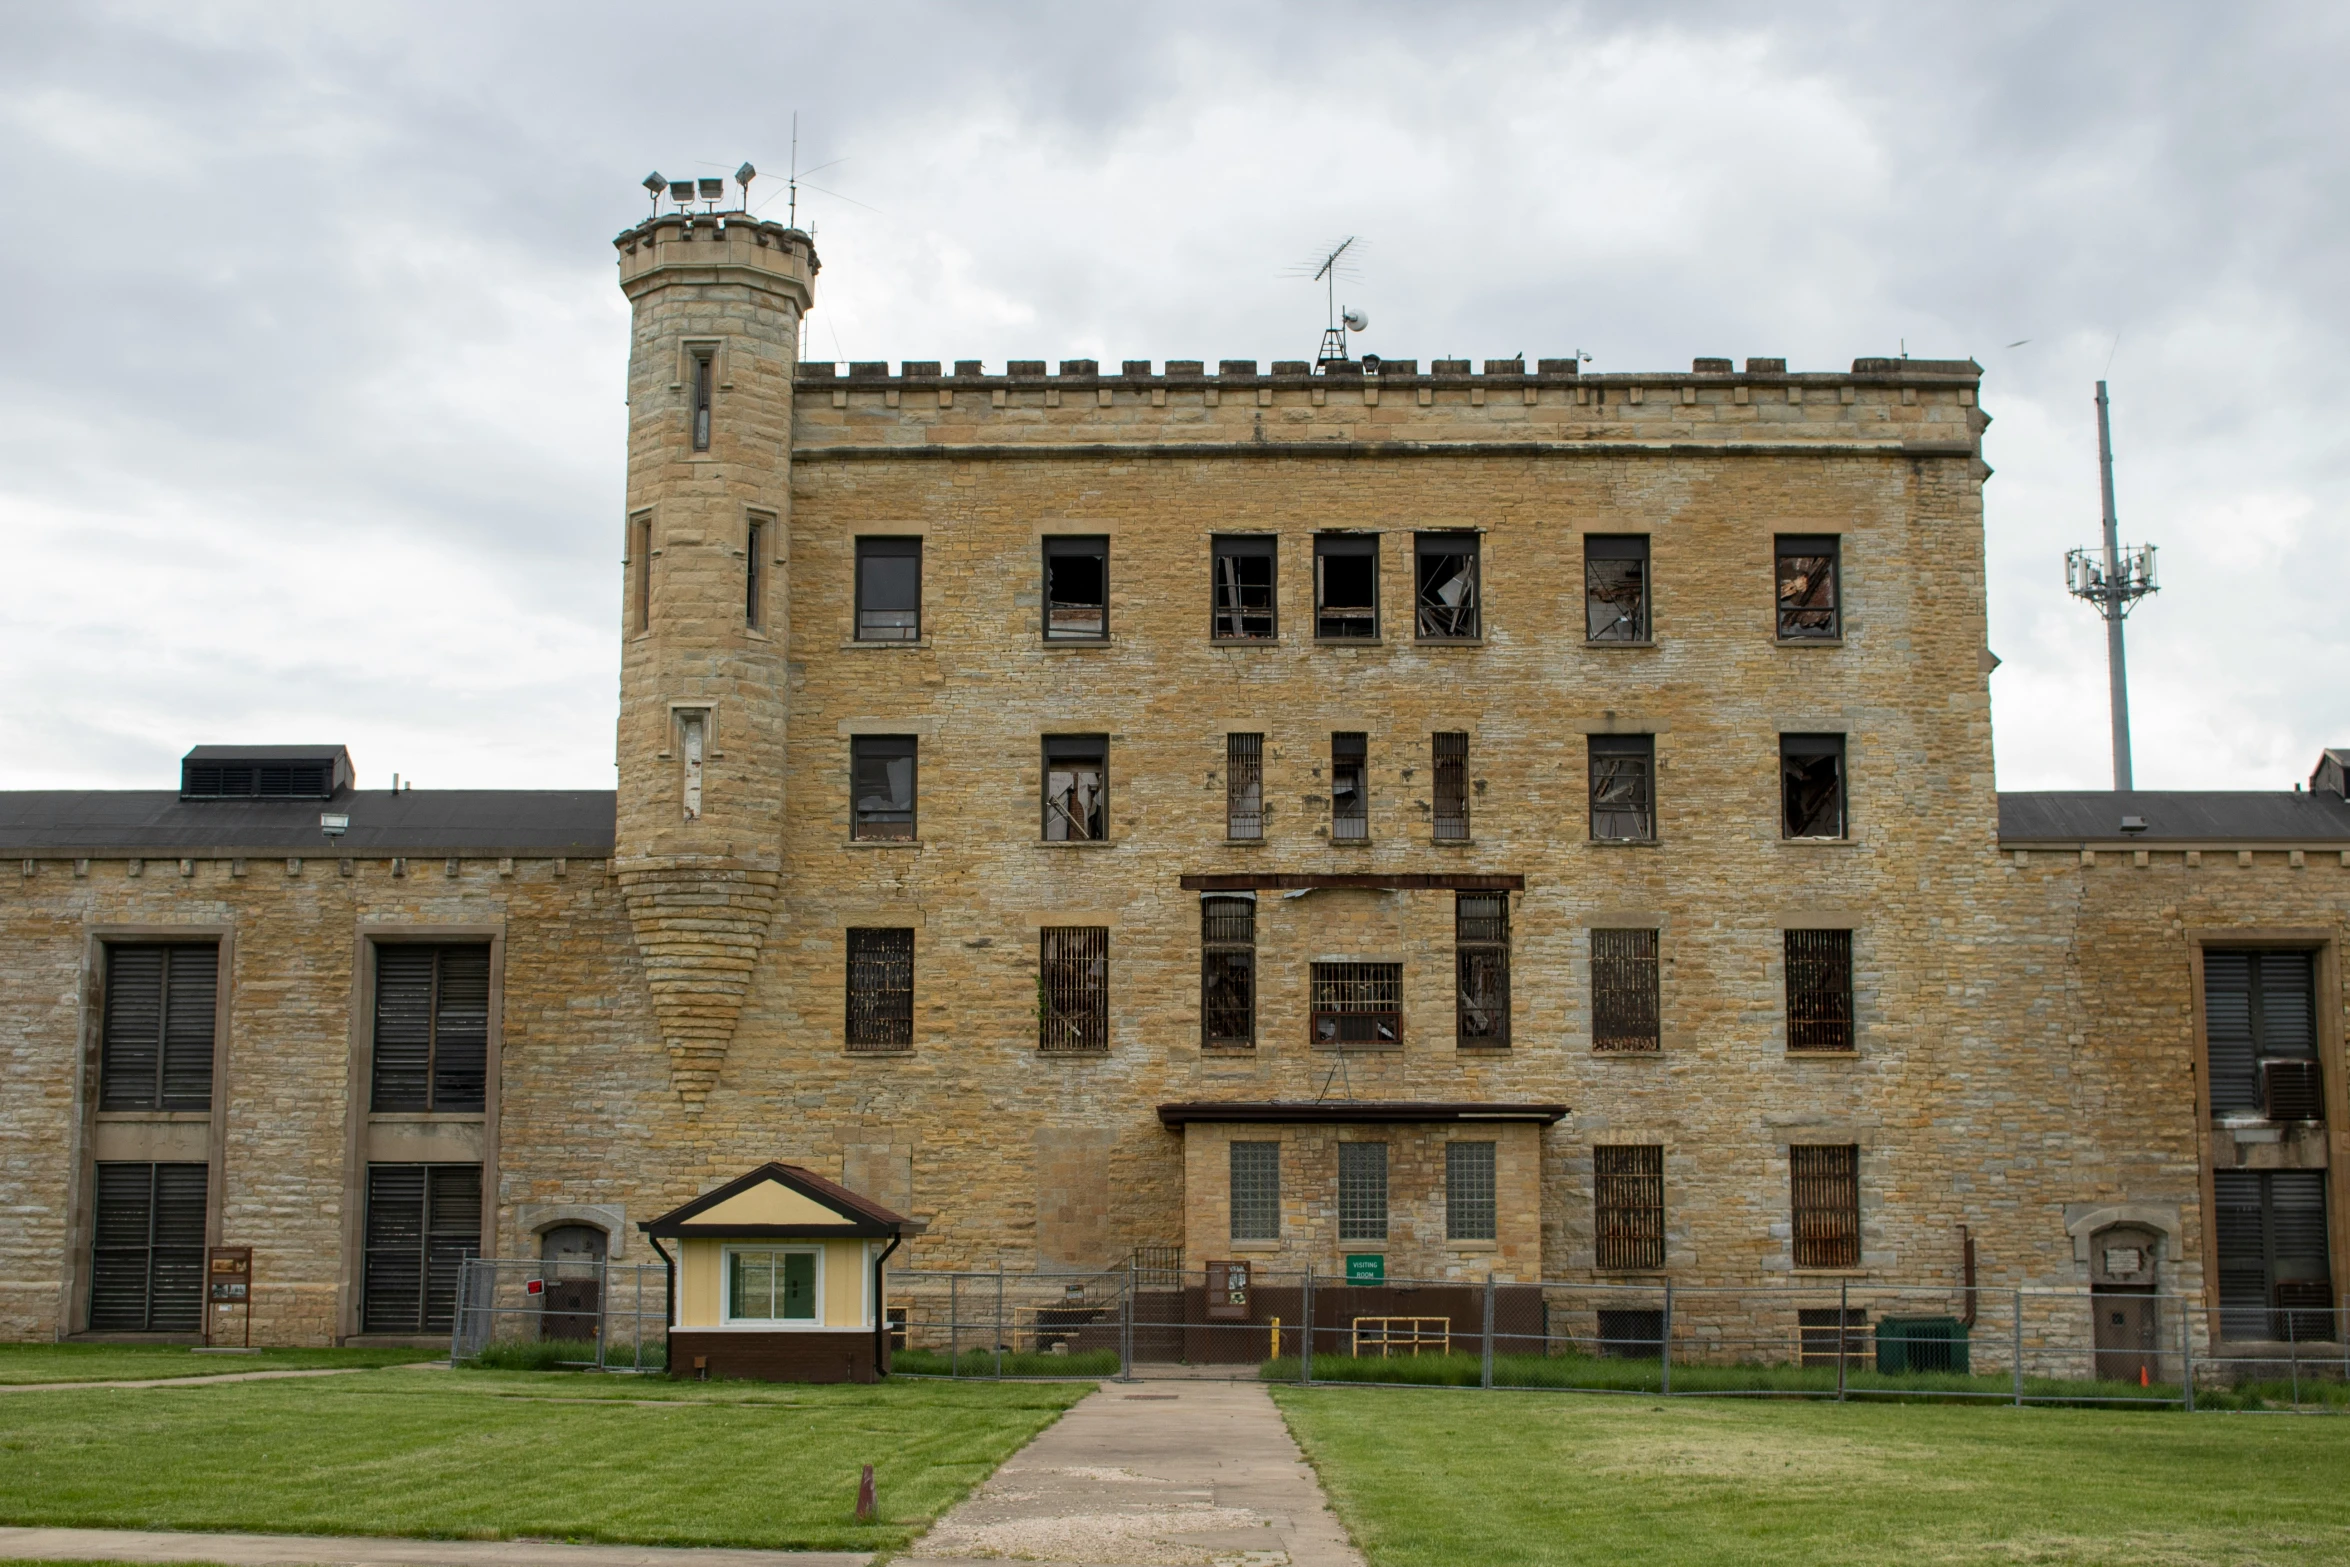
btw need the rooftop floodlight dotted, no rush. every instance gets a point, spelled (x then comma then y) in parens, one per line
(656, 184)
(743, 177)
(333, 823)
(682, 192)
(713, 190)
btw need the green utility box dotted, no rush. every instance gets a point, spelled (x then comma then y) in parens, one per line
(1906, 1344)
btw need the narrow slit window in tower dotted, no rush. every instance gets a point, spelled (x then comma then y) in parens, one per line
(702, 400)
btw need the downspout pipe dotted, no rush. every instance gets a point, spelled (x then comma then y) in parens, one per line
(1966, 1241)
(881, 1309)
(668, 1300)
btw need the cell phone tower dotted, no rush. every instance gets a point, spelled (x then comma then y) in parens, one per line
(2112, 579)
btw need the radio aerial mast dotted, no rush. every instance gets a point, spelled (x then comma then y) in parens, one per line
(2113, 580)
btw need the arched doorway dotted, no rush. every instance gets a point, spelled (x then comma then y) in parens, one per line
(571, 1258)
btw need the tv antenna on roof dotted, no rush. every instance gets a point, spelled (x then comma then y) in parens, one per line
(1341, 322)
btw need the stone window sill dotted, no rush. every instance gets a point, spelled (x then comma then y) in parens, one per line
(859, 1052)
(1259, 1246)
(1482, 1050)
(1822, 1055)
(1244, 843)
(1360, 1049)
(1611, 645)
(427, 1118)
(1078, 843)
(1808, 641)
(1473, 1246)
(1053, 644)
(1818, 843)
(152, 1117)
(1273, 641)
(1623, 843)
(1452, 843)
(882, 843)
(919, 644)
(1448, 641)
(1627, 1055)
(1363, 842)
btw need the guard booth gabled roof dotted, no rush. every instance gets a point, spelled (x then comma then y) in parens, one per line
(779, 1201)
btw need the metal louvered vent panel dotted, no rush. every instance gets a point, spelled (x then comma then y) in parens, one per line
(131, 1057)
(191, 1011)
(403, 1028)
(461, 1029)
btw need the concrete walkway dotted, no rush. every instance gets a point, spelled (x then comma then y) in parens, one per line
(202, 1381)
(1152, 1474)
(325, 1550)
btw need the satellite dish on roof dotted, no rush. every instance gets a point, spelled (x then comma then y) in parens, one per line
(1356, 321)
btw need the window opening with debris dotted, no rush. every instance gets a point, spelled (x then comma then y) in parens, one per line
(880, 989)
(1358, 1004)
(1623, 788)
(1244, 568)
(1446, 576)
(1825, 1191)
(1624, 990)
(1244, 786)
(1076, 788)
(1346, 586)
(1819, 989)
(1073, 988)
(1468, 1192)
(2275, 1280)
(1350, 795)
(889, 590)
(1628, 1205)
(1809, 610)
(1811, 786)
(1228, 970)
(1481, 960)
(1256, 1191)
(1615, 587)
(1449, 754)
(702, 377)
(1076, 589)
(693, 735)
(1362, 1191)
(2260, 1034)
(882, 781)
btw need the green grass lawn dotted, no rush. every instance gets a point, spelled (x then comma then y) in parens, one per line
(1433, 1478)
(489, 1455)
(131, 1362)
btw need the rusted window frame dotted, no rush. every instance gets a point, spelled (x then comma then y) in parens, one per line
(1349, 546)
(1074, 547)
(1628, 1207)
(1073, 989)
(1626, 1008)
(1228, 621)
(1074, 749)
(1363, 1209)
(878, 828)
(1448, 760)
(871, 547)
(1613, 765)
(1244, 788)
(1228, 970)
(1463, 622)
(1819, 990)
(1803, 612)
(1337, 995)
(1472, 1195)
(1802, 748)
(1823, 1196)
(1597, 590)
(1350, 749)
(1481, 952)
(878, 988)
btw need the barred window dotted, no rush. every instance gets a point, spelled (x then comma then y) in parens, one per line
(880, 989)
(1825, 1186)
(1358, 1004)
(1615, 587)
(1362, 1191)
(881, 782)
(1807, 570)
(1468, 1192)
(1445, 573)
(1256, 1191)
(1811, 786)
(1625, 1008)
(1244, 786)
(1244, 567)
(432, 1027)
(1819, 989)
(1481, 960)
(1073, 988)
(1449, 753)
(1350, 794)
(1628, 1202)
(1623, 788)
(1228, 969)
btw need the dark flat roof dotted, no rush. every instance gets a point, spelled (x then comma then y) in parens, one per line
(2075, 816)
(265, 753)
(1426, 1112)
(158, 824)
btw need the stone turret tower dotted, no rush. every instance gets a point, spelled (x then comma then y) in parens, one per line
(717, 305)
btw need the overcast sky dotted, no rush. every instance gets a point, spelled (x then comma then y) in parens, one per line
(311, 356)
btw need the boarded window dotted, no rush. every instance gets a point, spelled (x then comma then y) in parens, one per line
(1446, 581)
(1256, 1191)
(1073, 988)
(423, 1221)
(156, 1038)
(1809, 610)
(432, 1026)
(1819, 989)
(1623, 788)
(1358, 1004)
(1362, 1191)
(2275, 1279)
(755, 573)
(1244, 607)
(1624, 990)
(1811, 786)
(2260, 1032)
(1468, 1192)
(1244, 786)
(1350, 792)
(1481, 962)
(1628, 1203)
(880, 988)
(882, 779)
(1346, 586)
(889, 590)
(147, 1248)
(1449, 755)
(1825, 1185)
(1228, 969)
(1076, 787)
(1076, 589)
(1615, 587)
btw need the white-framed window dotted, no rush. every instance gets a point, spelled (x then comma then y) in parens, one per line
(775, 1284)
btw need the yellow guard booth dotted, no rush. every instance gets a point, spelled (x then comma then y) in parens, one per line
(778, 1276)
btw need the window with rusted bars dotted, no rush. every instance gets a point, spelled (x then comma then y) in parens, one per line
(1808, 569)
(1811, 786)
(1623, 788)
(1445, 576)
(1615, 587)
(1228, 970)
(1825, 1187)
(1358, 1004)
(1819, 989)
(1073, 988)
(1362, 1191)
(1256, 1191)
(1244, 568)
(880, 989)
(1244, 786)
(1449, 756)
(1624, 990)
(1468, 1192)
(1481, 958)
(1628, 1203)
(1076, 787)
(1350, 794)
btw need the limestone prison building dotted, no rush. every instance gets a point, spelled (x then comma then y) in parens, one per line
(1539, 824)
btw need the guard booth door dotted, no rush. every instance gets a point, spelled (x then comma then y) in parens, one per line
(571, 1260)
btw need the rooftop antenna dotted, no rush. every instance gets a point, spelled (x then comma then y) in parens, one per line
(2113, 581)
(1340, 322)
(792, 221)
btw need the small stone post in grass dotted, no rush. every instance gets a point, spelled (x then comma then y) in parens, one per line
(867, 1511)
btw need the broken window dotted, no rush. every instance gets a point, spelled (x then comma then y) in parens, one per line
(1350, 795)
(1244, 567)
(1073, 988)
(1808, 606)
(880, 989)
(1624, 990)
(1615, 587)
(1628, 1205)
(2271, 1231)
(1468, 1192)
(1228, 969)
(1811, 786)
(1481, 960)
(1244, 786)
(1076, 787)
(1445, 572)
(1825, 1188)
(1346, 586)
(1623, 788)
(702, 377)
(1256, 1191)
(1819, 989)
(1362, 1191)
(889, 590)
(1449, 751)
(1076, 590)
(1358, 1004)
(2260, 1034)
(881, 782)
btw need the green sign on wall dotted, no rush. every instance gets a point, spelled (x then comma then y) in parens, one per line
(1366, 1268)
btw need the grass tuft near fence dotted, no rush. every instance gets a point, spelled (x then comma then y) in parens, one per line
(1014, 1363)
(567, 1354)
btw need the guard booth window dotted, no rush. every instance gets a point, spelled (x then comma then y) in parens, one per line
(1809, 608)
(1811, 786)
(1228, 970)
(881, 781)
(1481, 957)
(1615, 587)
(2260, 1031)
(1346, 587)
(1076, 590)
(889, 590)
(156, 1038)
(1076, 788)
(2275, 1281)
(432, 1027)
(1446, 578)
(423, 1221)
(147, 1248)
(1244, 568)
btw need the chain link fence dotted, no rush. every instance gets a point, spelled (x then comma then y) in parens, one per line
(531, 1315)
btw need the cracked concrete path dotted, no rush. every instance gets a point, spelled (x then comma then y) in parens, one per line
(1156, 1474)
(326, 1550)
